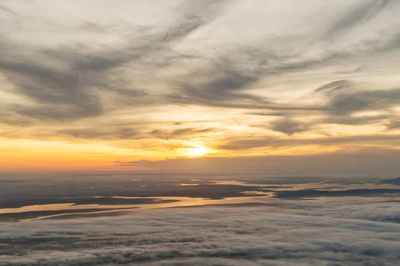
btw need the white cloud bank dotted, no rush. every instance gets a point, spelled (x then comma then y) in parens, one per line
(341, 231)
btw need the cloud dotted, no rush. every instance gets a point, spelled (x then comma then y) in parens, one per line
(352, 120)
(365, 162)
(276, 234)
(249, 143)
(101, 133)
(73, 86)
(180, 133)
(69, 82)
(61, 94)
(348, 103)
(335, 86)
(289, 126)
(393, 123)
(357, 16)
(91, 65)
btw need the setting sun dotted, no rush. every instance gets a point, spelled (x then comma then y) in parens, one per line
(195, 151)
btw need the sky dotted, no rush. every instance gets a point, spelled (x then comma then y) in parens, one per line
(303, 87)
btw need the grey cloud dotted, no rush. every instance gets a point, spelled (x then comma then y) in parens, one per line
(393, 123)
(335, 86)
(58, 93)
(221, 84)
(225, 83)
(194, 15)
(124, 132)
(259, 142)
(10, 118)
(351, 120)
(79, 80)
(179, 133)
(271, 113)
(340, 100)
(110, 132)
(92, 26)
(289, 126)
(72, 90)
(357, 16)
(344, 98)
(372, 162)
(6, 10)
(348, 103)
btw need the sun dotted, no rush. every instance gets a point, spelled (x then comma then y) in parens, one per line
(195, 151)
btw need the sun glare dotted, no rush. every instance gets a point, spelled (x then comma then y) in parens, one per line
(195, 151)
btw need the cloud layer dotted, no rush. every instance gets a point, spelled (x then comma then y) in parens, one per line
(345, 232)
(159, 74)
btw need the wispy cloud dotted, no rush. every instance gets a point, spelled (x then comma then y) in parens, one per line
(96, 73)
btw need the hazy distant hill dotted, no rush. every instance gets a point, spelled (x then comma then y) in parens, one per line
(394, 181)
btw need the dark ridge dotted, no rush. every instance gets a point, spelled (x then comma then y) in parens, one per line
(12, 217)
(329, 193)
(394, 181)
(15, 203)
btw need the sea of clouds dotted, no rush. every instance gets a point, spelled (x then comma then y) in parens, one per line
(323, 231)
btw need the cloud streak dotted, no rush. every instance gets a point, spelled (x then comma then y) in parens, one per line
(234, 75)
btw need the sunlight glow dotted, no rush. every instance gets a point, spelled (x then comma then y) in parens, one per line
(195, 151)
